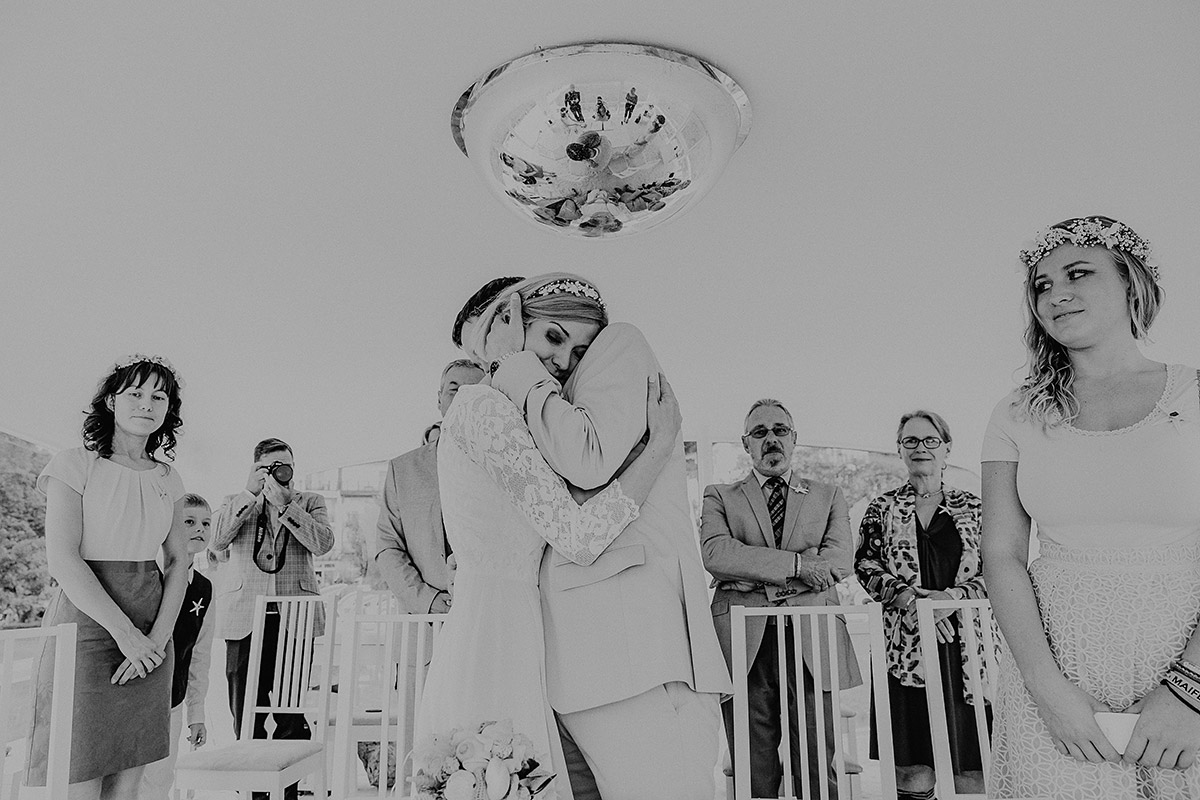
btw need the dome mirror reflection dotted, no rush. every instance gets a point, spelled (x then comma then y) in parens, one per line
(601, 140)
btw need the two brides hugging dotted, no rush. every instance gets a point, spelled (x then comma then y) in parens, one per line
(580, 601)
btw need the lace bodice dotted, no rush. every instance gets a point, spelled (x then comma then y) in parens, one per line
(501, 501)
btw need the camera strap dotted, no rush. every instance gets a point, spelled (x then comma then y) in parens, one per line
(273, 560)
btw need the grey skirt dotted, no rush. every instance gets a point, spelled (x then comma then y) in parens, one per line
(114, 728)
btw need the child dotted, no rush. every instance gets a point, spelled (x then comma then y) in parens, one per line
(193, 639)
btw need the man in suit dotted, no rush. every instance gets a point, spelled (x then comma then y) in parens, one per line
(633, 667)
(270, 532)
(775, 538)
(411, 544)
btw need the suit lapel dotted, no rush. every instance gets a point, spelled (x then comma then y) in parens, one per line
(791, 513)
(758, 504)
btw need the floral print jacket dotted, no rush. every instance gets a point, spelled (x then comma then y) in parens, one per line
(886, 564)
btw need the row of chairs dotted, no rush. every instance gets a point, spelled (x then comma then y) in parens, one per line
(375, 659)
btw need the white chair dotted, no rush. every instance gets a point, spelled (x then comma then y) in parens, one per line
(300, 685)
(355, 601)
(20, 650)
(817, 625)
(384, 661)
(976, 625)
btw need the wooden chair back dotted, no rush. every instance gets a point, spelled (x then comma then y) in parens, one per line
(384, 661)
(816, 629)
(976, 627)
(20, 651)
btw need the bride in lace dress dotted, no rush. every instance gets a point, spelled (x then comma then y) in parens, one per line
(502, 504)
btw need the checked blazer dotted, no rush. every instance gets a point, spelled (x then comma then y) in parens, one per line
(241, 581)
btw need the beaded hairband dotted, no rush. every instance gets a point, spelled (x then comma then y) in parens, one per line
(139, 358)
(1090, 232)
(565, 286)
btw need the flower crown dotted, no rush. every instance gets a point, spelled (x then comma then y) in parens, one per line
(139, 358)
(567, 286)
(1090, 232)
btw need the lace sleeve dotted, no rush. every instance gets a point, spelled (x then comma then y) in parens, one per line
(489, 428)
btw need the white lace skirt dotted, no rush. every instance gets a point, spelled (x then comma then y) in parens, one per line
(1116, 619)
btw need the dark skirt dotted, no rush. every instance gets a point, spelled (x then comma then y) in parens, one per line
(114, 728)
(910, 718)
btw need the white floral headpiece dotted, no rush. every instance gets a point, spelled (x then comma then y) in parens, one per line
(1090, 232)
(138, 358)
(566, 286)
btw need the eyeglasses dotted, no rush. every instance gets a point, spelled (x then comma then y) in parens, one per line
(911, 442)
(780, 432)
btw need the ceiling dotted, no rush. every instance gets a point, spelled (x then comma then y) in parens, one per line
(269, 194)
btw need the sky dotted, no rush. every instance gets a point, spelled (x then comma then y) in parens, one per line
(269, 195)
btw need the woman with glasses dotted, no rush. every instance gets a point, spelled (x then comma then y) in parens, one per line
(1100, 447)
(921, 539)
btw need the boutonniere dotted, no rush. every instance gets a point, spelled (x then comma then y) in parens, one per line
(800, 488)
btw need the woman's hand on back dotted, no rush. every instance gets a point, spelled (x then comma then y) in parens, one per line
(507, 332)
(662, 410)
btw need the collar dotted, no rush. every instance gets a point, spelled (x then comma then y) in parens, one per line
(762, 479)
(799, 487)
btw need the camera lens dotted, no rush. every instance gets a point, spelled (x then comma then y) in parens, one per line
(282, 473)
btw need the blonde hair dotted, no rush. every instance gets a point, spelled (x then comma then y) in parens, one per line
(1046, 393)
(560, 306)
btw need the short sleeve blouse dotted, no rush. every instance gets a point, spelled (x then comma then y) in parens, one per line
(1138, 486)
(127, 513)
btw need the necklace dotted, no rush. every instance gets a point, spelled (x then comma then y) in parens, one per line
(926, 495)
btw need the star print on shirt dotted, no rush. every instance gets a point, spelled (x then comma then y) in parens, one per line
(198, 607)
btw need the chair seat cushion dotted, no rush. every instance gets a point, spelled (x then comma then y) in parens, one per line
(258, 755)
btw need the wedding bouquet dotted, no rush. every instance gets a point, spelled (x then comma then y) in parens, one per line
(485, 762)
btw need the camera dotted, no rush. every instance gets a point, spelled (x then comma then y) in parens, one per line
(281, 472)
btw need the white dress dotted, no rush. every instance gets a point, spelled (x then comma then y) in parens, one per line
(1117, 581)
(501, 503)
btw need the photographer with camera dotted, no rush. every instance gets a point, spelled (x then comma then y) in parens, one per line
(271, 533)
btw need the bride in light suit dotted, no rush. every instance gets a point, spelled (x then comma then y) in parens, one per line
(633, 667)
(501, 504)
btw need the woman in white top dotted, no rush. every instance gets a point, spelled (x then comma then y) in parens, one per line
(1100, 447)
(110, 506)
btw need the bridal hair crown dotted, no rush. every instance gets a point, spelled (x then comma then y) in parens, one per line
(566, 286)
(1090, 232)
(139, 358)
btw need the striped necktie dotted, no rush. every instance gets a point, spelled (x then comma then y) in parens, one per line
(776, 505)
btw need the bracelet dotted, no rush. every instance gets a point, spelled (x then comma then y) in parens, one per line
(1184, 688)
(1184, 698)
(496, 364)
(1187, 668)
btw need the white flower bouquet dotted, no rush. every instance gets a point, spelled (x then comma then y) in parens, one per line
(485, 762)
